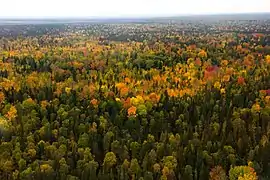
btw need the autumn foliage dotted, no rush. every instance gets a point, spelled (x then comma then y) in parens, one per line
(135, 101)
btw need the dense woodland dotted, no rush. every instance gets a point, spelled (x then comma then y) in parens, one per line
(149, 101)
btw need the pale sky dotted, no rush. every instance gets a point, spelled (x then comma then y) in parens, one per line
(127, 8)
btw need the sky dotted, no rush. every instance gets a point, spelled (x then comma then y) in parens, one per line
(127, 8)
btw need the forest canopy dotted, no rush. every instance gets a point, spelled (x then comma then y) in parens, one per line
(183, 100)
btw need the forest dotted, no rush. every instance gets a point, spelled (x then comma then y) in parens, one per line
(175, 100)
